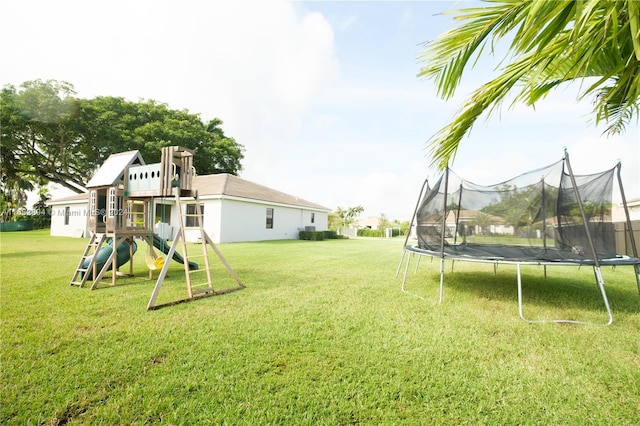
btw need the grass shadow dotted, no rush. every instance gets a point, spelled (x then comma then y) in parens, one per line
(26, 254)
(569, 288)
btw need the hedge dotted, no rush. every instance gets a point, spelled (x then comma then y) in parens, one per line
(319, 235)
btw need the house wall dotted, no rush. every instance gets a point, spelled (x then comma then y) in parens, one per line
(247, 221)
(212, 221)
(243, 220)
(77, 215)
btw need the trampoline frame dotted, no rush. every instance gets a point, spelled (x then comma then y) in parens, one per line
(416, 251)
(595, 261)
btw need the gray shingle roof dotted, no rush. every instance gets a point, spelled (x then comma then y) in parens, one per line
(224, 184)
(233, 186)
(69, 199)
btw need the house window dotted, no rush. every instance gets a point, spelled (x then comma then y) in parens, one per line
(191, 220)
(313, 218)
(92, 203)
(67, 213)
(269, 218)
(163, 213)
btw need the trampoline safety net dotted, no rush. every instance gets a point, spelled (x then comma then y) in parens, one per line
(537, 215)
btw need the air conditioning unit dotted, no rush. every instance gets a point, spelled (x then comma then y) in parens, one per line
(309, 228)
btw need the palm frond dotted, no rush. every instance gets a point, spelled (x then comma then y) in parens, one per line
(554, 42)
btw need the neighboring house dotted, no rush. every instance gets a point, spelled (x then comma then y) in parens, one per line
(234, 210)
(633, 206)
(478, 222)
(370, 222)
(475, 221)
(69, 216)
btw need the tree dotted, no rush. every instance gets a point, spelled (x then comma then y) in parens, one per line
(482, 221)
(37, 136)
(383, 221)
(49, 135)
(348, 216)
(41, 216)
(13, 195)
(334, 221)
(404, 226)
(223, 153)
(111, 124)
(554, 42)
(517, 206)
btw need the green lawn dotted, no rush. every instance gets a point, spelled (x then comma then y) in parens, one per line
(321, 335)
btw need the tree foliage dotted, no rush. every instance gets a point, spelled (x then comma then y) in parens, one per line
(49, 135)
(347, 216)
(553, 42)
(37, 136)
(522, 206)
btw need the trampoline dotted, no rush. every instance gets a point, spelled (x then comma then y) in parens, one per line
(545, 217)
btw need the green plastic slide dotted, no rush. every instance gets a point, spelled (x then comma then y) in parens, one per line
(122, 255)
(162, 245)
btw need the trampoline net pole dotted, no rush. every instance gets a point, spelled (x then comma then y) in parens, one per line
(455, 236)
(582, 212)
(415, 211)
(629, 228)
(544, 219)
(442, 234)
(634, 248)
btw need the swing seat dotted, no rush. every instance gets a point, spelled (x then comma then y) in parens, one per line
(154, 263)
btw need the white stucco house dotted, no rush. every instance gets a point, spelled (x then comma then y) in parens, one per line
(633, 206)
(234, 210)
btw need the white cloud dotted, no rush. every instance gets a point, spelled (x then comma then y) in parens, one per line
(339, 131)
(256, 65)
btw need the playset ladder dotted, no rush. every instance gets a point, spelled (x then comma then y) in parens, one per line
(203, 286)
(199, 281)
(81, 274)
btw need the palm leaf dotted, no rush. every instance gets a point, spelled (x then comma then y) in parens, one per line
(553, 42)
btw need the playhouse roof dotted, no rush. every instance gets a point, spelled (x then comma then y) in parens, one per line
(112, 169)
(224, 184)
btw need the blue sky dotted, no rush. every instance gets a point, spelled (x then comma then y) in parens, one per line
(323, 95)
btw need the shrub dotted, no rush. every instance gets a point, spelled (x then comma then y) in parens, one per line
(311, 235)
(367, 232)
(330, 235)
(379, 233)
(320, 235)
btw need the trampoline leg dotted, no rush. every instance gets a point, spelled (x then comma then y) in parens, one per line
(520, 293)
(400, 264)
(600, 282)
(406, 269)
(441, 279)
(404, 278)
(417, 264)
(637, 269)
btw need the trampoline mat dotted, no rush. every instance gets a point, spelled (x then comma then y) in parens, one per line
(523, 254)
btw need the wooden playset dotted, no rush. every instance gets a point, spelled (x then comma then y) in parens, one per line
(120, 211)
